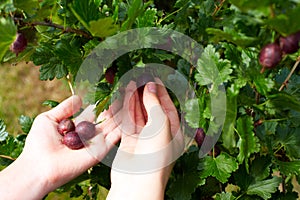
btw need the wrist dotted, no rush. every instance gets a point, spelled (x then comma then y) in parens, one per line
(21, 180)
(148, 186)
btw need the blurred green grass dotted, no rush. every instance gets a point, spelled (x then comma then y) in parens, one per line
(22, 93)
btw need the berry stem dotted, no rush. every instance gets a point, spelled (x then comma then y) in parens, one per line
(70, 84)
(262, 70)
(284, 84)
(7, 157)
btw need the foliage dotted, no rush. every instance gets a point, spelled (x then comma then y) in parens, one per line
(260, 142)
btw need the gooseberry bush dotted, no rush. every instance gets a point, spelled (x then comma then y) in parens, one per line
(253, 43)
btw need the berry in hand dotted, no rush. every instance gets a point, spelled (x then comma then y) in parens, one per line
(86, 130)
(19, 44)
(290, 44)
(270, 56)
(65, 126)
(72, 140)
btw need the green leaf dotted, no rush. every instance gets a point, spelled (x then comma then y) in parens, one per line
(50, 103)
(192, 117)
(26, 123)
(3, 133)
(285, 23)
(148, 18)
(270, 127)
(289, 139)
(135, 9)
(251, 4)
(8, 32)
(289, 168)
(231, 35)
(228, 135)
(263, 85)
(248, 142)
(220, 167)
(42, 54)
(76, 192)
(187, 179)
(284, 101)
(224, 196)
(28, 6)
(260, 168)
(211, 69)
(85, 11)
(264, 188)
(184, 186)
(53, 69)
(64, 50)
(103, 27)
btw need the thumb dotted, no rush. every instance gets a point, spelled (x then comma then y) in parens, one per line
(150, 98)
(65, 109)
(153, 106)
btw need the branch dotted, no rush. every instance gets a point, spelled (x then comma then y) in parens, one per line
(57, 26)
(7, 157)
(218, 8)
(284, 84)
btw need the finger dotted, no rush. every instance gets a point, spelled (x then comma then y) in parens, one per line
(128, 123)
(65, 109)
(110, 124)
(139, 116)
(157, 119)
(128, 127)
(113, 138)
(151, 101)
(171, 112)
(168, 106)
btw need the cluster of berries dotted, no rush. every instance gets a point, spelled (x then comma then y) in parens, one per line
(271, 54)
(73, 136)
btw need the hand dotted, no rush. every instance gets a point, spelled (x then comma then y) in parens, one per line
(45, 162)
(144, 161)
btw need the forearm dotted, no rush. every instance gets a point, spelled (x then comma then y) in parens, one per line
(19, 181)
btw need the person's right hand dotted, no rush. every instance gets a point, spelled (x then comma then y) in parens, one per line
(144, 161)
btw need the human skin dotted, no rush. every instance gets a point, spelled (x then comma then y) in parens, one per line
(45, 163)
(160, 109)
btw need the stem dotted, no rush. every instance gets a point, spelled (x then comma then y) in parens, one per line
(70, 84)
(272, 11)
(172, 13)
(218, 8)
(281, 146)
(7, 157)
(57, 26)
(284, 84)
(283, 184)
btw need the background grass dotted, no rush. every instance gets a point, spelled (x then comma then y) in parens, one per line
(22, 93)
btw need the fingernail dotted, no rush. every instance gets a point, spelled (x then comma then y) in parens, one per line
(151, 87)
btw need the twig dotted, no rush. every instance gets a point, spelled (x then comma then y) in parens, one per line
(70, 84)
(7, 157)
(218, 8)
(57, 26)
(284, 84)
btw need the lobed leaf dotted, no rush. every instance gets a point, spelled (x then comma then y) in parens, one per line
(220, 167)
(248, 142)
